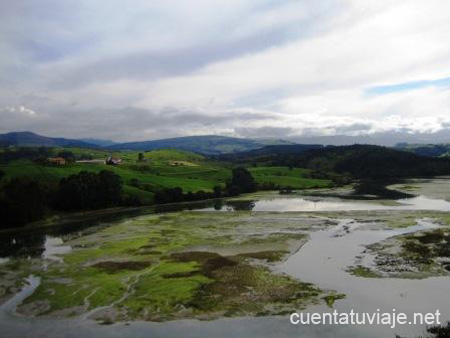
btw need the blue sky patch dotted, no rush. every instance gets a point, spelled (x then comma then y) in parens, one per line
(401, 87)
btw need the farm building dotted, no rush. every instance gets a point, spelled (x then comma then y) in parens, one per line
(57, 160)
(114, 160)
(91, 161)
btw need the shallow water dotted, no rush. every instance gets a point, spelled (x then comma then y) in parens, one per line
(322, 261)
(325, 257)
(318, 204)
(54, 247)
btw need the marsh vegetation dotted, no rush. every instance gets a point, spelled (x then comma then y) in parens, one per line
(264, 254)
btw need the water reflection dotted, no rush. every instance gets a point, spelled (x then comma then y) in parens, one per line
(284, 204)
(240, 205)
(31, 242)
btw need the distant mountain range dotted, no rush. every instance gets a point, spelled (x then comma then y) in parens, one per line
(208, 144)
(217, 145)
(27, 138)
(387, 139)
(98, 142)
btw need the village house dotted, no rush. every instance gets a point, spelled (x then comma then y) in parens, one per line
(57, 160)
(114, 160)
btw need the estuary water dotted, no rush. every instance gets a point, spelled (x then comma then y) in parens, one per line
(322, 261)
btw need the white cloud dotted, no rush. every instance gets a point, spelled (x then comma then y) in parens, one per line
(305, 64)
(20, 110)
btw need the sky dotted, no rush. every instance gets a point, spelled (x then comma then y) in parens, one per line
(142, 70)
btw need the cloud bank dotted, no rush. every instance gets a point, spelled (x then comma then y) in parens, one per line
(144, 70)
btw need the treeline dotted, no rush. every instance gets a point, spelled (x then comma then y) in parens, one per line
(31, 153)
(340, 163)
(40, 154)
(366, 161)
(23, 200)
(89, 191)
(35, 154)
(241, 181)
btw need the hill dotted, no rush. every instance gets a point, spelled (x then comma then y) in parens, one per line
(207, 144)
(27, 138)
(388, 138)
(360, 161)
(431, 150)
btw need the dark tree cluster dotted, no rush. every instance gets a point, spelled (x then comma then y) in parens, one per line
(88, 191)
(241, 182)
(22, 201)
(31, 153)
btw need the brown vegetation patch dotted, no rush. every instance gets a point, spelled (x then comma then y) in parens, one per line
(209, 261)
(239, 288)
(243, 288)
(181, 274)
(148, 246)
(193, 256)
(113, 267)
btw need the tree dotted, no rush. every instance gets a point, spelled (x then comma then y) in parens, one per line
(23, 202)
(242, 181)
(141, 157)
(217, 191)
(169, 195)
(87, 190)
(110, 188)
